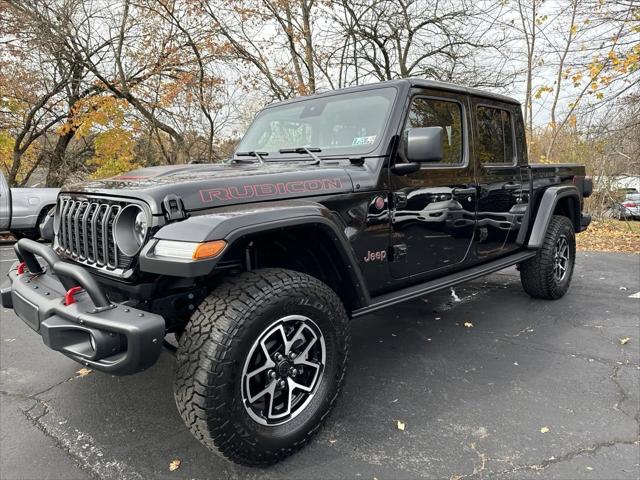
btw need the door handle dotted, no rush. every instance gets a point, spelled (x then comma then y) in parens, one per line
(511, 186)
(464, 191)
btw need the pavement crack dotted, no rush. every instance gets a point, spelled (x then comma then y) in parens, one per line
(591, 358)
(590, 450)
(61, 382)
(22, 396)
(623, 396)
(79, 446)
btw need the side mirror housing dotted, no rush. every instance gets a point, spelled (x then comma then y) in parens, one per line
(425, 144)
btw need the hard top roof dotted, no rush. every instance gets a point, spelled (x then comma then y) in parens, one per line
(412, 82)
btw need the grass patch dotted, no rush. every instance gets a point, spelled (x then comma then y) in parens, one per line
(610, 236)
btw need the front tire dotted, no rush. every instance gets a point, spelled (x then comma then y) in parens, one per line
(261, 364)
(548, 274)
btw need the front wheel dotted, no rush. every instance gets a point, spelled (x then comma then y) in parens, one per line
(548, 274)
(261, 364)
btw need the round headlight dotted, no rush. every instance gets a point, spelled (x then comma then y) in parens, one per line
(140, 227)
(130, 230)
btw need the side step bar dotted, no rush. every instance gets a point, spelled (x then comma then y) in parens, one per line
(409, 293)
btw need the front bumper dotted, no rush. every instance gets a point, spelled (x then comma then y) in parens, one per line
(112, 338)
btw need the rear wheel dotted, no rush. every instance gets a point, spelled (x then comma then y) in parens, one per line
(33, 233)
(261, 364)
(548, 274)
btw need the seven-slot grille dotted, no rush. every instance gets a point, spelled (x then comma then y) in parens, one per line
(85, 232)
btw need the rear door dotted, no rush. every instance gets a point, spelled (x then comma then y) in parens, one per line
(501, 190)
(433, 209)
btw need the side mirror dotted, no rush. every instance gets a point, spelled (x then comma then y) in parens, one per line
(425, 144)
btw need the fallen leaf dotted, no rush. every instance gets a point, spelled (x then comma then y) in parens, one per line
(174, 464)
(9, 340)
(589, 468)
(83, 372)
(624, 289)
(333, 440)
(516, 363)
(610, 236)
(624, 341)
(468, 324)
(401, 425)
(544, 429)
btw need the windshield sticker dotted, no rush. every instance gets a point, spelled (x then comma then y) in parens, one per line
(364, 140)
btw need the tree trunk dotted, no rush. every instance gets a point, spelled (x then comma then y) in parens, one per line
(16, 159)
(57, 173)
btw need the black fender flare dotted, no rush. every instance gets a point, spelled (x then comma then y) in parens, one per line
(235, 222)
(547, 206)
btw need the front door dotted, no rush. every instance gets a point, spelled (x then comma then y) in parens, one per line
(433, 216)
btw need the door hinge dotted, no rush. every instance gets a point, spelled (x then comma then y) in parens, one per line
(398, 200)
(173, 208)
(398, 252)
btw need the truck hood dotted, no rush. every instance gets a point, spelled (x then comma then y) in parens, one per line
(211, 185)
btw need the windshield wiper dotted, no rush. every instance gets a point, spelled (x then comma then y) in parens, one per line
(308, 151)
(258, 155)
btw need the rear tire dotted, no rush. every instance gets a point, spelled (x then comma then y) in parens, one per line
(33, 233)
(548, 274)
(248, 337)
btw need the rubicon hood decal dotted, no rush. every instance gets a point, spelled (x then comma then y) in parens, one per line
(207, 186)
(248, 191)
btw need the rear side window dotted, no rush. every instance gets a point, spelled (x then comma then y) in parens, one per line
(429, 112)
(495, 136)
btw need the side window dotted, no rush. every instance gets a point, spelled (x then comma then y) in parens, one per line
(428, 112)
(495, 136)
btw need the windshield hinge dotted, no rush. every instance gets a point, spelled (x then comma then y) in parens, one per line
(398, 200)
(173, 208)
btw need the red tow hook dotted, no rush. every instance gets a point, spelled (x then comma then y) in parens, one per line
(21, 267)
(69, 296)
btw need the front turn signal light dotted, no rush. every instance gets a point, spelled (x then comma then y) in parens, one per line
(189, 250)
(209, 249)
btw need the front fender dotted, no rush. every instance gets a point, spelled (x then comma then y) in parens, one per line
(235, 222)
(548, 203)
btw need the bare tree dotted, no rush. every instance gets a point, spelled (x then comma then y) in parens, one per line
(450, 41)
(274, 37)
(51, 83)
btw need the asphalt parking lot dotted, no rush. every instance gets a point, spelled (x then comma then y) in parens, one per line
(489, 384)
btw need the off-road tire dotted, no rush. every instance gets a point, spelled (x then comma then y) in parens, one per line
(537, 273)
(213, 350)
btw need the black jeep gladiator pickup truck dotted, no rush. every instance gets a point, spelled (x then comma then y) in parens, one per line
(333, 206)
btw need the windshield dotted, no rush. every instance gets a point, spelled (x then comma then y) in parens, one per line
(341, 124)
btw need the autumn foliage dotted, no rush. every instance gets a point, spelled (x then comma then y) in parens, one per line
(92, 89)
(610, 236)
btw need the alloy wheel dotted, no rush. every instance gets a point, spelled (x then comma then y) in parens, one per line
(283, 370)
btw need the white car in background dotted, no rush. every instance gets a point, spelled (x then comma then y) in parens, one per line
(629, 208)
(22, 210)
